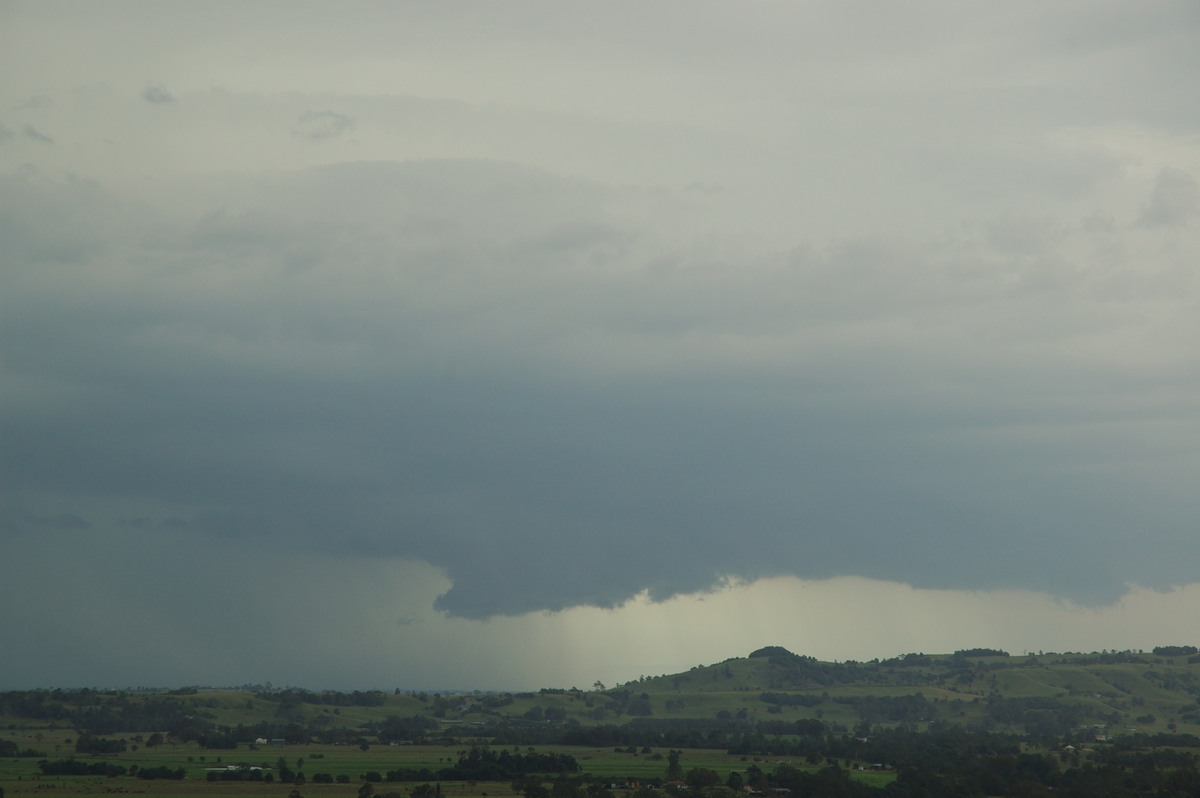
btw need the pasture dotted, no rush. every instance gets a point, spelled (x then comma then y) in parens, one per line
(22, 777)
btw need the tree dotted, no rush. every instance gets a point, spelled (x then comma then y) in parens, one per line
(700, 778)
(674, 769)
(640, 705)
(530, 787)
(564, 789)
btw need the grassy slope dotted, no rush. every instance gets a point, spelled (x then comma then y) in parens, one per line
(1159, 687)
(1163, 688)
(1132, 690)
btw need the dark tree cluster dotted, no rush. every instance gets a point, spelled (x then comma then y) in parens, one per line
(162, 772)
(293, 695)
(792, 699)
(99, 712)
(8, 748)
(89, 744)
(482, 763)
(73, 767)
(1174, 651)
(891, 709)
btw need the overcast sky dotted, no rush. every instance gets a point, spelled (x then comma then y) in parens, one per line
(517, 344)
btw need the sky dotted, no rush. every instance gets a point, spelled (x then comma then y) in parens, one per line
(502, 345)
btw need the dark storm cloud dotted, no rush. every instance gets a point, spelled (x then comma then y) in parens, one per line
(157, 94)
(321, 125)
(490, 368)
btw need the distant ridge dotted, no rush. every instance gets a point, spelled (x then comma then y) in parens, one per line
(1043, 694)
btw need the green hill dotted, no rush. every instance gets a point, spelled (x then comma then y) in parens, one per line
(986, 689)
(1113, 693)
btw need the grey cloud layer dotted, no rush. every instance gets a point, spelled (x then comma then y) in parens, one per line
(574, 304)
(508, 374)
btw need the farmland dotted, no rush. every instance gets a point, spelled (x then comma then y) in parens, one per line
(22, 776)
(772, 720)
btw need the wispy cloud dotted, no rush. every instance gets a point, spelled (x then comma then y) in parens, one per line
(1175, 200)
(37, 102)
(157, 94)
(37, 135)
(321, 125)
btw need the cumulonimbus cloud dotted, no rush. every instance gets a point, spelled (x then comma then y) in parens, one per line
(488, 368)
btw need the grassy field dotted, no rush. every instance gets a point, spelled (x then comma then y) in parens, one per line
(21, 777)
